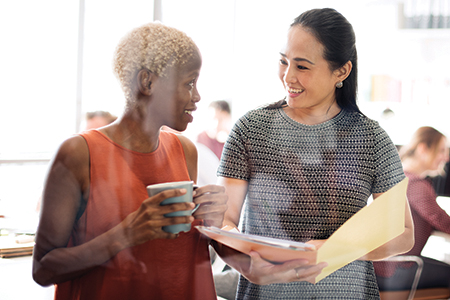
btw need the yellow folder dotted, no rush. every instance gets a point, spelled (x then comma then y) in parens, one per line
(371, 227)
(368, 229)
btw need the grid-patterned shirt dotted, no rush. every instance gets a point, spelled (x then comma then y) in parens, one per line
(305, 181)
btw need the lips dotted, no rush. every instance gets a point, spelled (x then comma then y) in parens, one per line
(294, 91)
(189, 115)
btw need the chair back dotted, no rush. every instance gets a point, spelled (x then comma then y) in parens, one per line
(414, 293)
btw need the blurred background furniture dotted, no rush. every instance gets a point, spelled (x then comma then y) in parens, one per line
(414, 293)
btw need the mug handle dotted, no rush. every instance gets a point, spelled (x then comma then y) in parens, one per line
(198, 205)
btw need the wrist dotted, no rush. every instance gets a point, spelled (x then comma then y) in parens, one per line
(116, 240)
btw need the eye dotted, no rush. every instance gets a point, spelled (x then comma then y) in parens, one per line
(302, 67)
(191, 83)
(283, 62)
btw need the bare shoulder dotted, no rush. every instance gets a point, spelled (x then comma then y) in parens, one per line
(64, 196)
(73, 146)
(73, 156)
(189, 147)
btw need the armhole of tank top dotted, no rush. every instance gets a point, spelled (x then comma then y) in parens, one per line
(183, 145)
(83, 204)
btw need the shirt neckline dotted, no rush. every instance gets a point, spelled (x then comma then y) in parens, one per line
(104, 136)
(322, 125)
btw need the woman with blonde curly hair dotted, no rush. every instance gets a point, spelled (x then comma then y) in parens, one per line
(100, 235)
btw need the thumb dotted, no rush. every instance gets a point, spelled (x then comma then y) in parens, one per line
(295, 263)
(256, 259)
(255, 256)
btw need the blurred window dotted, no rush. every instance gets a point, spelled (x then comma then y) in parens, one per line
(56, 65)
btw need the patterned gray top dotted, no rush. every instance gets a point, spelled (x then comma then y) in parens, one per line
(305, 181)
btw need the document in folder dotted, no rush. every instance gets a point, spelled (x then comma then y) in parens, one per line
(371, 227)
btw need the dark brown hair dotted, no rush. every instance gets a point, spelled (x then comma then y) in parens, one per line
(336, 35)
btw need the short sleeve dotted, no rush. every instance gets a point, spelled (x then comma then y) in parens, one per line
(388, 167)
(234, 162)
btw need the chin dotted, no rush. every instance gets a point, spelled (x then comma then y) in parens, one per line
(293, 103)
(181, 128)
(174, 129)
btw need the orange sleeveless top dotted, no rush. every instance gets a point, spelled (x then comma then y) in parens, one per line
(158, 269)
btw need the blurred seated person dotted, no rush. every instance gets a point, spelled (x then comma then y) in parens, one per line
(100, 235)
(215, 136)
(423, 157)
(99, 118)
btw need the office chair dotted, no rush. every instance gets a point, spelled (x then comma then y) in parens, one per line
(414, 293)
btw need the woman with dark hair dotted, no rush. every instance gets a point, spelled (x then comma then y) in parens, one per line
(422, 158)
(308, 163)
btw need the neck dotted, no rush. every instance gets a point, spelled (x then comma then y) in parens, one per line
(313, 115)
(134, 133)
(412, 166)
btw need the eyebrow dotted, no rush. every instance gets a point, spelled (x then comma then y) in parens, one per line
(299, 59)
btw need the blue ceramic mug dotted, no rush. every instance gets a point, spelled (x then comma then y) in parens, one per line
(189, 186)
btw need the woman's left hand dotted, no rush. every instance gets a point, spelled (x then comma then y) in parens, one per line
(213, 204)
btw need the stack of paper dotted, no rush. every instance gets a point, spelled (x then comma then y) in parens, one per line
(9, 247)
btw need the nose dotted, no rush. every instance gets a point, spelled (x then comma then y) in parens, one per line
(289, 74)
(196, 96)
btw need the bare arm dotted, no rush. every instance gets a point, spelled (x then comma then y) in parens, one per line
(401, 244)
(212, 198)
(66, 190)
(237, 191)
(253, 267)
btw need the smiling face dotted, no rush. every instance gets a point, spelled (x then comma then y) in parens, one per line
(305, 74)
(175, 96)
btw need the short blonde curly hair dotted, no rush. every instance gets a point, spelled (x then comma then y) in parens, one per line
(153, 46)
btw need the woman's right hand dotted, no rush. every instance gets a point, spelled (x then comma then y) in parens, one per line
(262, 272)
(146, 223)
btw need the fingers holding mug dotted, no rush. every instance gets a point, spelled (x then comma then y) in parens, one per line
(187, 197)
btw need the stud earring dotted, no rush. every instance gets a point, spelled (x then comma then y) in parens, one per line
(339, 84)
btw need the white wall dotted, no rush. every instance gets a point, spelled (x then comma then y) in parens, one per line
(240, 41)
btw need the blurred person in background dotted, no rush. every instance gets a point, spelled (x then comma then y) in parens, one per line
(214, 136)
(422, 158)
(99, 118)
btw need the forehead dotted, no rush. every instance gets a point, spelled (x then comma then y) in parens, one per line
(301, 43)
(443, 142)
(184, 71)
(194, 63)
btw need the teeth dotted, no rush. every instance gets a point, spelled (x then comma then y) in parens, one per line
(188, 112)
(294, 91)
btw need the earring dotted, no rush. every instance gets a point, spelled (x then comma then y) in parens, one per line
(339, 84)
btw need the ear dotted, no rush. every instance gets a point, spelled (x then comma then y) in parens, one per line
(343, 72)
(144, 80)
